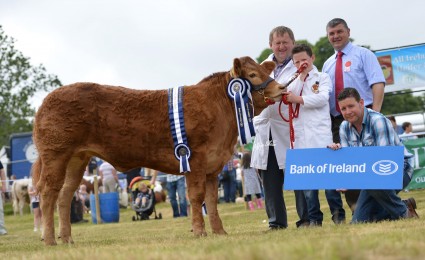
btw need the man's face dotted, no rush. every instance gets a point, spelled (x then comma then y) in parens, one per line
(351, 110)
(281, 46)
(338, 36)
(301, 58)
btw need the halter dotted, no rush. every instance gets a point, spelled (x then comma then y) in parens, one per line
(259, 88)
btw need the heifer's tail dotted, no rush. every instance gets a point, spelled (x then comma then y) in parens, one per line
(36, 174)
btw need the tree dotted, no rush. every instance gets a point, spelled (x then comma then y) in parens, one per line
(322, 50)
(399, 102)
(19, 81)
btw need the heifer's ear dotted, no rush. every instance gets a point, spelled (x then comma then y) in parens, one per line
(269, 66)
(237, 68)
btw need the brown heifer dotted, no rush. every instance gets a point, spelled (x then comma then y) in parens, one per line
(130, 128)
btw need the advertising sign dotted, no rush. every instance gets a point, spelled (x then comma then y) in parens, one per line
(372, 167)
(403, 67)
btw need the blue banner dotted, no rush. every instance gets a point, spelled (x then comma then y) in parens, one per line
(372, 167)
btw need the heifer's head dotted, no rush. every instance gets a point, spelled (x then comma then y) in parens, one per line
(264, 88)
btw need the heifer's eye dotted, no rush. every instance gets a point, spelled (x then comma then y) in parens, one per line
(252, 75)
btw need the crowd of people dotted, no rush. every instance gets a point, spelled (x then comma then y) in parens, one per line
(338, 107)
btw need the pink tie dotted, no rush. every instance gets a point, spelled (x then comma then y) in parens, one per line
(339, 80)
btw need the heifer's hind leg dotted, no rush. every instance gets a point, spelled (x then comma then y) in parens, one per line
(211, 199)
(50, 183)
(196, 190)
(74, 174)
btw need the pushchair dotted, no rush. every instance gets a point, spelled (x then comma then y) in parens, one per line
(143, 213)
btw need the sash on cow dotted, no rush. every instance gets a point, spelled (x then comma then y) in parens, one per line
(178, 132)
(239, 90)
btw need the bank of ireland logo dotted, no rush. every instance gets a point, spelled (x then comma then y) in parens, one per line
(384, 167)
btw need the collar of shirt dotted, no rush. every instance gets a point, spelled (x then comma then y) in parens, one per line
(346, 50)
(280, 66)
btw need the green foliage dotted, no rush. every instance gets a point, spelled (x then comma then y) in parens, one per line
(264, 54)
(399, 102)
(322, 50)
(19, 82)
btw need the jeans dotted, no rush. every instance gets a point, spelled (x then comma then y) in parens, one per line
(229, 186)
(302, 209)
(2, 227)
(378, 205)
(335, 205)
(179, 188)
(315, 216)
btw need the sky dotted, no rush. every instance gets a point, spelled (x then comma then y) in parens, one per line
(162, 44)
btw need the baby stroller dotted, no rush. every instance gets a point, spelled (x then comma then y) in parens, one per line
(143, 213)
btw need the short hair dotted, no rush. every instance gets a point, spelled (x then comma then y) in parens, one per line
(301, 48)
(406, 125)
(349, 93)
(281, 30)
(336, 21)
(391, 118)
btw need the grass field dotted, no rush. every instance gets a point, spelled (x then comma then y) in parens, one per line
(170, 238)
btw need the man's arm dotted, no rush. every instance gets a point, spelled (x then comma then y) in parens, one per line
(378, 96)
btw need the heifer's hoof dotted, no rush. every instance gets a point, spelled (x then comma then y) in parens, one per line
(50, 242)
(220, 232)
(201, 233)
(67, 240)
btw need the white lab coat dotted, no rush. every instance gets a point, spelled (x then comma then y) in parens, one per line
(270, 120)
(313, 127)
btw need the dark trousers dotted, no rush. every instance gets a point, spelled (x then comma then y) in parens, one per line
(273, 192)
(333, 197)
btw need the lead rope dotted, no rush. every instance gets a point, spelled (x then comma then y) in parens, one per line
(291, 112)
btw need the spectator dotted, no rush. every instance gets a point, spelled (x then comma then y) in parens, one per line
(398, 129)
(84, 197)
(350, 66)
(229, 181)
(109, 177)
(251, 183)
(176, 186)
(143, 196)
(407, 134)
(35, 205)
(366, 127)
(3, 230)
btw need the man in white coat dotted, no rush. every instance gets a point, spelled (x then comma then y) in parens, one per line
(309, 94)
(272, 137)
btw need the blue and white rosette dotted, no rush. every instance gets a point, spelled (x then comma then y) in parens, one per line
(175, 113)
(239, 90)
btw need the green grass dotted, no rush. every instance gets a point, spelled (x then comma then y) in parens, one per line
(170, 238)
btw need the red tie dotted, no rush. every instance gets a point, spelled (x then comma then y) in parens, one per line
(339, 80)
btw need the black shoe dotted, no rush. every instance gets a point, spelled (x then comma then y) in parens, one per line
(315, 224)
(274, 228)
(303, 224)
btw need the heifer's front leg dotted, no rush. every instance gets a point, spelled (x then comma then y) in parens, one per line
(211, 199)
(196, 190)
(47, 203)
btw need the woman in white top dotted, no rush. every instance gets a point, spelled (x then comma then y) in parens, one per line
(109, 177)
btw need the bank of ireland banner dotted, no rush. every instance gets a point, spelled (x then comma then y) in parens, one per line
(372, 167)
(417, 148)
